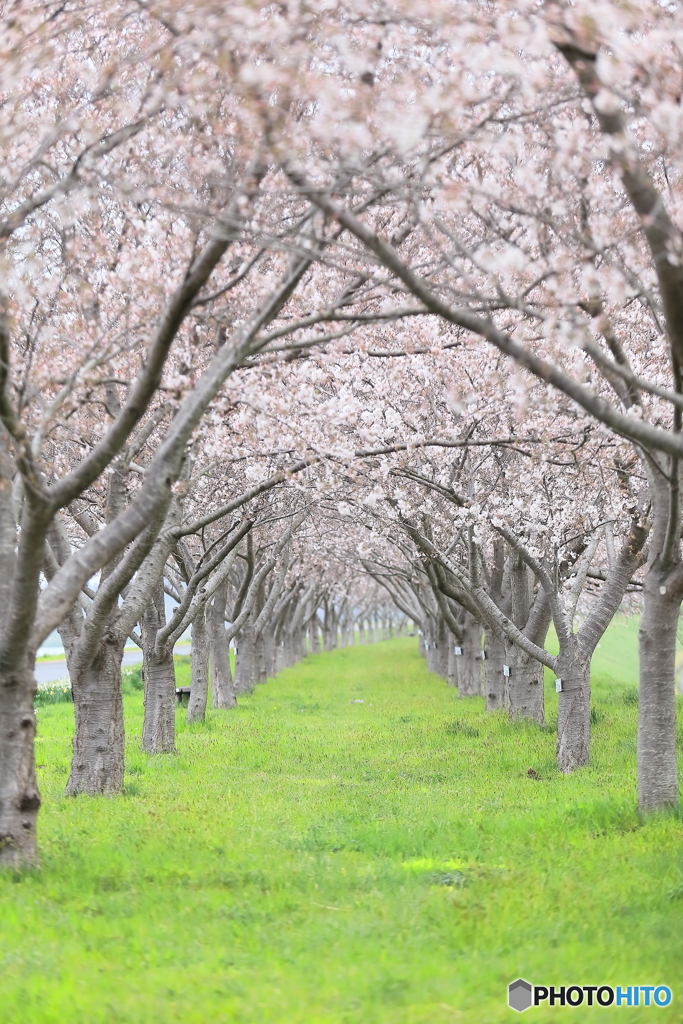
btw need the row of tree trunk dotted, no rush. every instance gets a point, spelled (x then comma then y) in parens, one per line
(264, 645)
(483, 665)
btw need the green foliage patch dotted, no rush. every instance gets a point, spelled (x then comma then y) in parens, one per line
(307, 859)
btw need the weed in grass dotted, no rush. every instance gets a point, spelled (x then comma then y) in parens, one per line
(451, 878)
(458, 728)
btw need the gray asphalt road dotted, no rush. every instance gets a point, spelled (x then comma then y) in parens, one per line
(48, 671)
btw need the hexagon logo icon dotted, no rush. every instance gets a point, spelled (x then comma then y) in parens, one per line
(519, 995)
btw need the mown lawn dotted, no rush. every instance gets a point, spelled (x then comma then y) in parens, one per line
(310, 858)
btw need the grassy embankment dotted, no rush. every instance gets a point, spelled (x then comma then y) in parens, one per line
(309, 858)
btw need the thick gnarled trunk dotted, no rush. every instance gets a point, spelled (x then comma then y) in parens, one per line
(469, 663)
(260, 660)
(495, 690)
(443, 643)
(199, 692)
(452, 670)
(314, 638)
(244, 663)
(430, 650)
(330, 636)
(97, 764)
(573, 711)
(523, 695)
(19, 796)
(657, 772)
(158, 727)
(222, 688)
(269, 648)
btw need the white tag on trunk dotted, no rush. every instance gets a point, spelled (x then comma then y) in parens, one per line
(483, 655)
(506, 671)
(558, 686)
(458, 651)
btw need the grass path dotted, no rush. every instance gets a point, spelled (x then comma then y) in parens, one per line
(353, 845)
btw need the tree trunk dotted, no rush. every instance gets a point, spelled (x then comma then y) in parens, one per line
(294, 642)
(494, 680)
(97, 764)
(573, 711)
(523, 695)
(280, 656)
(199, 692)
(452, 671)
(330, 636)
(314, 634)
(19, 796)
(430, 651)
(260, 672)
(469, 663)
(244, 663)
(467, 682)
(158, 727)
(291, 649)
(269, 653)
(657, 773)
(443, 645)
(222, 687)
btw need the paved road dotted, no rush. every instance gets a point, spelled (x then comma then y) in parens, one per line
(48, 671)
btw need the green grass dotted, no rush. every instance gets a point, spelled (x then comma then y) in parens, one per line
(309, 858)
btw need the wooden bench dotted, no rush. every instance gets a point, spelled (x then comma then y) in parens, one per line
(181, 692)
